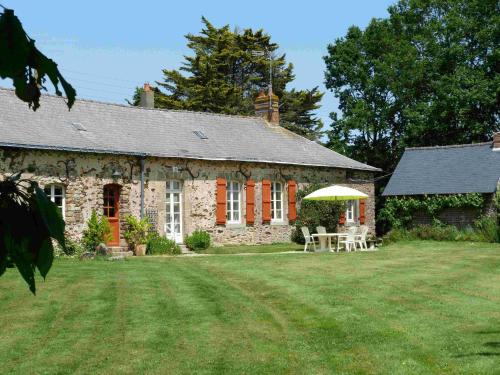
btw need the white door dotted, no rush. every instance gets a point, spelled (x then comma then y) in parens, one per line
(173, 201)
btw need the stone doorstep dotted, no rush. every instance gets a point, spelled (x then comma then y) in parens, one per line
(185, 250)
(120, 251)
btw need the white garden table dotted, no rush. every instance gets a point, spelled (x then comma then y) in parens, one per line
(327, 237)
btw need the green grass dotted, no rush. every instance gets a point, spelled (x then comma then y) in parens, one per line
(409, 308)
(249, 249)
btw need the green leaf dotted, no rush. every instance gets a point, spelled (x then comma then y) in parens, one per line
(19, 59)
(45, 257)
(51, 216)
(22, 258)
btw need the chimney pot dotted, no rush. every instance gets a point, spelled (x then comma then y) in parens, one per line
(496, 141)
(267, 106)
(147, 97)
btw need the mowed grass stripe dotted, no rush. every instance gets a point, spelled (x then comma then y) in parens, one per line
(415, 308)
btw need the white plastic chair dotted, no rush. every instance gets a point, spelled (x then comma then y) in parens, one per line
(360, 238)
(349, 240)
(308, 238)
(321, 230)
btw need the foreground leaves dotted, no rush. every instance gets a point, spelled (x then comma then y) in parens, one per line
(21, 61)
(29, 222)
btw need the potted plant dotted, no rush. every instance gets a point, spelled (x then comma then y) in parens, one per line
(136, 234)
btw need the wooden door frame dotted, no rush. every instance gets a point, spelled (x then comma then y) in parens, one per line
(116, 188)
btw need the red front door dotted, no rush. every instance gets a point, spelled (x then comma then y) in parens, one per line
(112, 212)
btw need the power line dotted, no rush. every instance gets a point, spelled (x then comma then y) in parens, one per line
(98, 76)
(99, 90)
(100, 83)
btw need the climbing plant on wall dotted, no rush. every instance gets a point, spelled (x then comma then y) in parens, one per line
(399, 211)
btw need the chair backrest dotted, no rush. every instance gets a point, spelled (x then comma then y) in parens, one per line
(363, 232)
(352, 230)
(321, 230)
(351, 236)
(307, 235)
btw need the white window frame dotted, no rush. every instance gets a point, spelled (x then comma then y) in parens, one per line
(177, 237)
(274, 200)
(233, 187)
(351, 212)
(52, 196)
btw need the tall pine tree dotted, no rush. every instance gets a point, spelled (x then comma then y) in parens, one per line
(225, 73)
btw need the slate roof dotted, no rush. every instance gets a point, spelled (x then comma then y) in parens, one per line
(473, 168)
(112, 128)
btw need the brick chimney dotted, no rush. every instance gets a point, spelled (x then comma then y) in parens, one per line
(147, 97)
(267, 106)
(496, 141)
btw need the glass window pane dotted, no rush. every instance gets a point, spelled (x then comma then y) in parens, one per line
(47, 190)
(58, 200)
(58, 190)
(236, 216)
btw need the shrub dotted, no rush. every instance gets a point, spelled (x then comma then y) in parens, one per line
(487, 229)
(161, 245)
(198, 240)
(312, 214)
(97, 231)
(73, 249)
(137, 232)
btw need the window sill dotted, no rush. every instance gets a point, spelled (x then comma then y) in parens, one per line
(235, 225)
(278, 223)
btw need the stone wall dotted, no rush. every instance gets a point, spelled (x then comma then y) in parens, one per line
(84, 176)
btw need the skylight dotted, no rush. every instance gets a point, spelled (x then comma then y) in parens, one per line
(200, 134)
(78, 126)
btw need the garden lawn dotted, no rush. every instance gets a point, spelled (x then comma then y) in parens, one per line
(409, 308)
(248, 249)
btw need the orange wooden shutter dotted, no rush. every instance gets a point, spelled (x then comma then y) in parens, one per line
(266, 200)
(221, 201)
(292, 207)
(342, 218)
(250, 197)
(362, 203)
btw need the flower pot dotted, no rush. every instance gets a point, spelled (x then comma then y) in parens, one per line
(140, 250)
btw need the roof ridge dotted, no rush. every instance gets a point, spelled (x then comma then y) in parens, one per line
(448, 146)
(144, 108)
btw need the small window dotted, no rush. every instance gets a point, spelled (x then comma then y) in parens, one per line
(351, 212)
(233, 212)
(57, 195)
(276, 201)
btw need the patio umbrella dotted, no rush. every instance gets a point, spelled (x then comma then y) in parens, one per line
(335, 193)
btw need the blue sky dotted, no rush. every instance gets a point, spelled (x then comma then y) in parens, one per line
(106, 48)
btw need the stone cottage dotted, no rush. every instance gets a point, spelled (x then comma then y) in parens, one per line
(233, 176)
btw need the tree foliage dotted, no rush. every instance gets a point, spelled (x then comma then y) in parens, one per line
(21, 61)
(427, 75)
(225, 73)
(29, 222)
